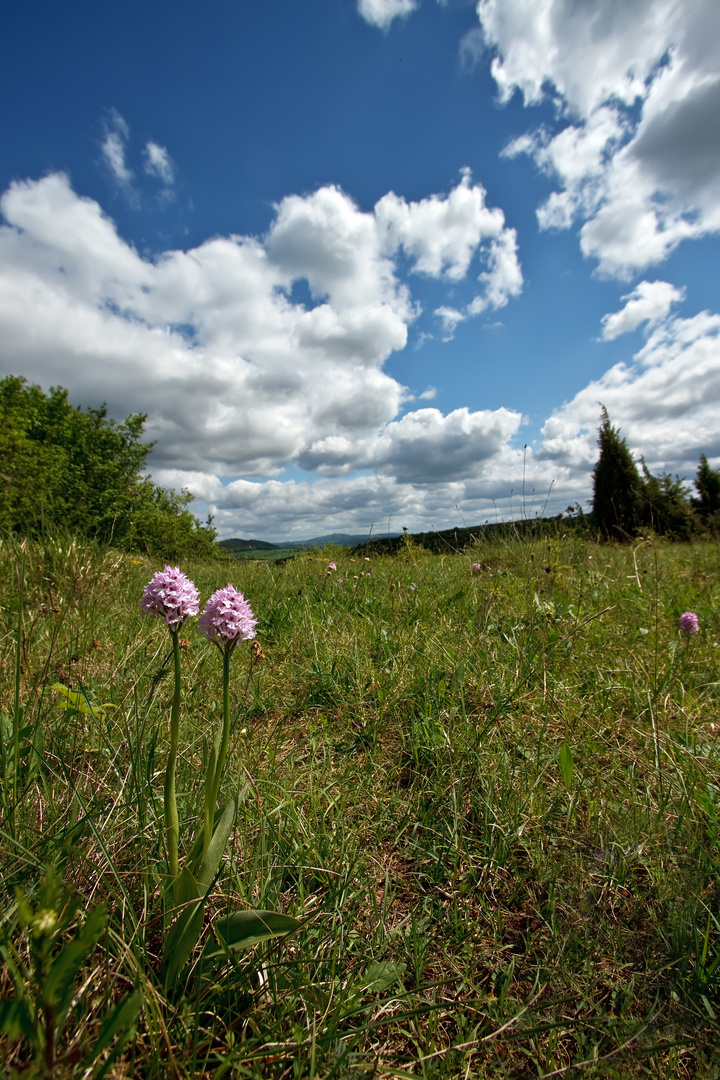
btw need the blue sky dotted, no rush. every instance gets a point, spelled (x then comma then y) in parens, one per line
(352, 256)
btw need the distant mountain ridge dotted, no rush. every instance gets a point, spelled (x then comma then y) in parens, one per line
(341, 539)
(236, 544)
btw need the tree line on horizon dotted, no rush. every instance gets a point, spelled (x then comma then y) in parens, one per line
(62, 467)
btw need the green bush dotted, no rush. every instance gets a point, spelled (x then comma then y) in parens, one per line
(666, 506)
(65, 468)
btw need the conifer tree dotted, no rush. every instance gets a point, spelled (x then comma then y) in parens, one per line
(617, 486)
(707, 484)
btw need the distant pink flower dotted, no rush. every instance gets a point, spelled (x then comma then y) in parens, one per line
(227, 619)
(332, 566)
(477, 567)
(340, 580)
(690, 623)
(171, 595)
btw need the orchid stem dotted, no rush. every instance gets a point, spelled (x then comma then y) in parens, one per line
(226, 727)
(212, 784)
(172, 827)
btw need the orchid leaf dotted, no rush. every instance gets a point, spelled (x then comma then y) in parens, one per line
(213, 857)
(185, 931)
(565, 759)
(243, 929)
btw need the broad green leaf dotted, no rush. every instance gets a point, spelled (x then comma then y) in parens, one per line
(243, 929)
(381, 975)
(16, 1019)
(565, 759)
(76, 699)
(120, 1022)
(182, 936)
(59, 985)
(186, 887)
(213, 857)
(315, 997)
(194, 855)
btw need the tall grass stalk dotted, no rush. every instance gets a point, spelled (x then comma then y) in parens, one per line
(17, 710)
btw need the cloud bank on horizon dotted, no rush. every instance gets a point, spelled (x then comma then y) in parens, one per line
(261, 359)
(239, 378)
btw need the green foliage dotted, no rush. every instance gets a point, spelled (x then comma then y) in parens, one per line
(74, 470)
(44, 975)
(666, 506)
(624, 501)
(707, 484)
(617, 486)
(565, 760)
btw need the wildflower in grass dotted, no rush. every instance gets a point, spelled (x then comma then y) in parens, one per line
(227, 619)
(332, 566)
(172, 596)
(477, 567)
(690, 623)
(340, 580)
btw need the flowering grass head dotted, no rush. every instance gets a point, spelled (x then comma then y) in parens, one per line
(171, 595)
(227, 619)
(689, 622)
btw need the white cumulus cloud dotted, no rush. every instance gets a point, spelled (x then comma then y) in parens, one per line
(650, 302)
(381, 13)
(237, 377)
(441, 233)
(636, 153)
(665, 402)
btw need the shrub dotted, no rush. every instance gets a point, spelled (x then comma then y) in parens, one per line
(76, 470)
(666, 505)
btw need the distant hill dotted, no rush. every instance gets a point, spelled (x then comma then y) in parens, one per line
(341, 539)
(236, 544)
(456, 540)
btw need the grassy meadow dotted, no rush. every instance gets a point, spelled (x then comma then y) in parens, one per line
(490, 796)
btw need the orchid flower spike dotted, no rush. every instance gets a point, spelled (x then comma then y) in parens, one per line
(171, 595)
(227, 619)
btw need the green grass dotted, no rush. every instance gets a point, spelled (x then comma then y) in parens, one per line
(491, 797)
